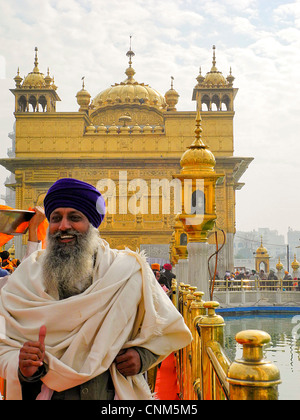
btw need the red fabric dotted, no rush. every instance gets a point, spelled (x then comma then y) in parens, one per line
(166, 387)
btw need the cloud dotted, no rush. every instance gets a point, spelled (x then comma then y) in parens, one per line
(288, 14)
(90, 38)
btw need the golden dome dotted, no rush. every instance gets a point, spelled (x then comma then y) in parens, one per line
(171, 97)
(129, 91)
(197, 158)
(18, 79)
(214, 77)
(83, 98)
(295, 264)
(279, 265)
(262, 250)
(35, 79)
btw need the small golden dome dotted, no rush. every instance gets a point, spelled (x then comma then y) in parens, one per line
(90, 129)
(18, 79)
(35, 79)
(214, 77)
(83, 98)
(197, 158)
(171, 97)
(295, 264)
(102, 129)
(262, 250)
(279, 265)
(48, 79)
(230, 78)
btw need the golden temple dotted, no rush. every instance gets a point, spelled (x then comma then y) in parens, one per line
(133, 137)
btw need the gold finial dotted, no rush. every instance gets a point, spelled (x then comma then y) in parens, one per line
(18, 79)
(130, 53)
(48, 78)
(82, 81)
(198, 143)
(36, 69)
(214, 56)
(172, 78)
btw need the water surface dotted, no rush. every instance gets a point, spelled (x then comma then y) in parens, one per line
(283, 351)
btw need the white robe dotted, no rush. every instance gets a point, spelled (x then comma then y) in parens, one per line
(124, 307)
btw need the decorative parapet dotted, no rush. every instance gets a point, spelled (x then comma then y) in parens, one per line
(127, 130)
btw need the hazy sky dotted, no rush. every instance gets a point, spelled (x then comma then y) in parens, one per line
(259, 39)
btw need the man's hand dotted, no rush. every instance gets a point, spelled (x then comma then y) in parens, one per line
(34, 223)
(128, 362)
(32, 354)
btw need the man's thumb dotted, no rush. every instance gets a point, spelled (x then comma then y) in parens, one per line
(42, 334)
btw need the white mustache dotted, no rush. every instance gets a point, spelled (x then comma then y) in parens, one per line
(68, 234)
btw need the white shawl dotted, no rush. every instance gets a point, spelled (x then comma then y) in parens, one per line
(124, 307)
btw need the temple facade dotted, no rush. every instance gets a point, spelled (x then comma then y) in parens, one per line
(128, 141)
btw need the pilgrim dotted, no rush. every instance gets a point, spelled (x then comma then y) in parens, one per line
(82, 320)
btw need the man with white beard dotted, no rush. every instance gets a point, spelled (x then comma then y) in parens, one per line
(83, 321)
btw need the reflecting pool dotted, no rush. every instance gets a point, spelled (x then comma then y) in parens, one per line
(283, 350)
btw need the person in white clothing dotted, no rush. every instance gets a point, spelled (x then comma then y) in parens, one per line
(84, 321)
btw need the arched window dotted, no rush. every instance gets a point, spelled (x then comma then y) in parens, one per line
(205, 103)
(263, 266)
(198, 202)
(225, 106)
(22, 104)
(33, 102)
(183, 239)
(215, 103)
(43, 103)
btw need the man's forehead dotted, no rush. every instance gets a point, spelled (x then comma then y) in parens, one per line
(67, 210)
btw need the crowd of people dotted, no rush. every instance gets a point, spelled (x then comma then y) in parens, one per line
(164, 276)
(265, 280)
(7, 264)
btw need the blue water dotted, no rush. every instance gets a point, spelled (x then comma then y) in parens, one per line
(283, 350)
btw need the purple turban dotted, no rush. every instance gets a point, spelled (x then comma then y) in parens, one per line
(69, 192)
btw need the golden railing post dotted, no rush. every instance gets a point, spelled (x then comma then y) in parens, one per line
(180, 293)
(253, 377)
(197, 311)
(174, 293)
(179, 353)
(212, 329)
(188, 383)
(184, 290)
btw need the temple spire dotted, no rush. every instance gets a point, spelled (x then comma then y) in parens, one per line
(36, 69)
(130, 72)
(198, 143)
(214, 62)
(130, 53)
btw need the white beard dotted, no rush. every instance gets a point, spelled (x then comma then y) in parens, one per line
(68, 269)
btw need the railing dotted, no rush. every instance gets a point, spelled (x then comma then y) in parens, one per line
(203, 369)
(247, 284)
